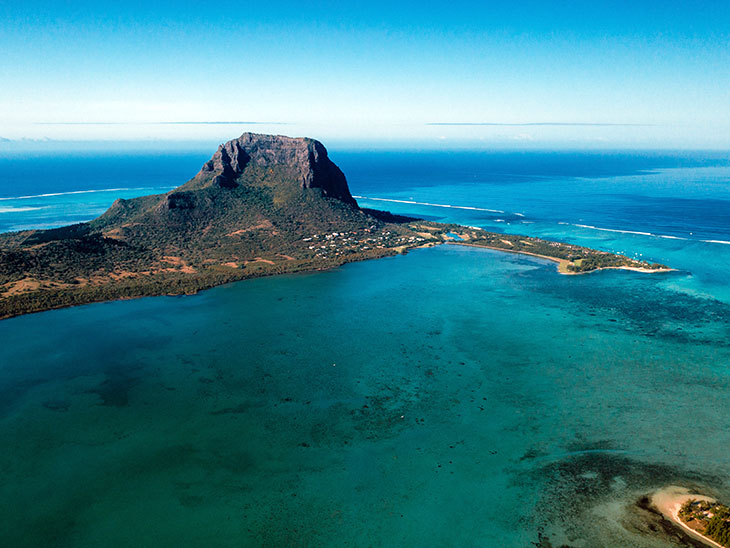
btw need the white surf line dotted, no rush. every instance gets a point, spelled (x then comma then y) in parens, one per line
(428, 204)
(665, 236)
(19, 209)
(616, 230)
(81, 192)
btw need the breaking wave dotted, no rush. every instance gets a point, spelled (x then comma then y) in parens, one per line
(6, 198)
(18, 209)
(428, 204)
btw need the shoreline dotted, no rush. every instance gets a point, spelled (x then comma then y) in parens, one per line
(206, 284)
(670, 499)
(203, 284)
(562, 263)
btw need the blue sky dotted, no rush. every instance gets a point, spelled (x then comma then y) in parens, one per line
(648, 74)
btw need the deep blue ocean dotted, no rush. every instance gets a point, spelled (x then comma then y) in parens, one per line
(448, 397)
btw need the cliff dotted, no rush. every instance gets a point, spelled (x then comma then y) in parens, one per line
(249, 181)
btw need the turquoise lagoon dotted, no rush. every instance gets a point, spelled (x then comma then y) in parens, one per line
(448, 397)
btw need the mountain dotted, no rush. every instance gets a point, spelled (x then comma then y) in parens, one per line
(257, 207)
(253, 181)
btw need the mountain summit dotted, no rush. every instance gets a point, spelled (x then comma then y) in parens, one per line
(302, 162)
(255, 181)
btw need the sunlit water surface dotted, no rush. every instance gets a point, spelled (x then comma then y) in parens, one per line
(449, 397)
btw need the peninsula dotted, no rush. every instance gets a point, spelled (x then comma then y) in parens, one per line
(261, 205)
(702, 517)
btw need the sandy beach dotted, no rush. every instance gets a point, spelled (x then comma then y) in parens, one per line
(562, 263)
(670, 499)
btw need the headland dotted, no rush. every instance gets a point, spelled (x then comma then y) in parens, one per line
(262, 205)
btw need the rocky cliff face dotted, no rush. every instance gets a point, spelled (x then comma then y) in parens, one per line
(279, 180)
(305, 161)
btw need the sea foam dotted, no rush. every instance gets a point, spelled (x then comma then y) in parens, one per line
(50, 194)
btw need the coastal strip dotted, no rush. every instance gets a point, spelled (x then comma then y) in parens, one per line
(113, 279)
(563, 263)
(571, 259)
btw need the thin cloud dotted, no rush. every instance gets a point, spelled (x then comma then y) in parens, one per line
(219, 123)
(533, 124)
(179, 123)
